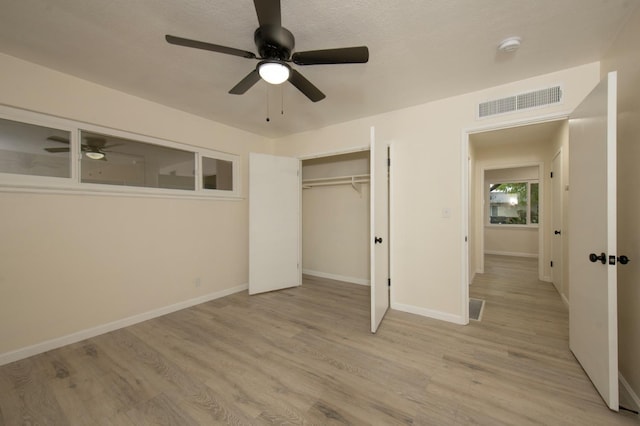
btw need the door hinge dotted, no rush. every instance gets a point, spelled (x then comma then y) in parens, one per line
(388, 162)
(465, 238)
(551, 175)
(551, 263)
(389, 282)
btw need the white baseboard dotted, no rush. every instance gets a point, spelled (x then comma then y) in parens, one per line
(627, 395)
(48, 345)
(511, 253)
(547, 279)
(352, 280)
(430, 313)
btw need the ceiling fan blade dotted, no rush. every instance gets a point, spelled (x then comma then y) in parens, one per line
(305, 86)
(179, 41)
(246, 83)
(58, 139)
(53, 150)
(345, 55)
(268, 12)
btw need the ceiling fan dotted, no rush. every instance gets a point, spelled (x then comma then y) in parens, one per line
(275, 44)
(95, 148)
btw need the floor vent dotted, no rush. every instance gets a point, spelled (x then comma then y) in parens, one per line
(538, 98)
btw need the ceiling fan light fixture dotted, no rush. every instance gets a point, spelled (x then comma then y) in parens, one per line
(274, 72)
(94, 155)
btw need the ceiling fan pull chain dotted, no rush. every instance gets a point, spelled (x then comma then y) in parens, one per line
(268, 119)
(281, 100)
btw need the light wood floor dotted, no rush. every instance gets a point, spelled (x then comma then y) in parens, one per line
(305, 355)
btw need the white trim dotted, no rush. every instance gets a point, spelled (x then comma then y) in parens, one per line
(464, 217)
(392, 229)
(511, 253)
(332, 153)
(105, 190)
(430, 313)
(353, 280)
(78, 336)
(628, 390)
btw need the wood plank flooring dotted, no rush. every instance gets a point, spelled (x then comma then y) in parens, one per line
(305, 356)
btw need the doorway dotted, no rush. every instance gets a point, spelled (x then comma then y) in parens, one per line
(509, 149)
(336, 217)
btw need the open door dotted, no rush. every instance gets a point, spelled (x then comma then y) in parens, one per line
(593, 329)
(379, 170)
(274, 223)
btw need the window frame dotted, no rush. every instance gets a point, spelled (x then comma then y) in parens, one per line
(528, 224)
(10, 182)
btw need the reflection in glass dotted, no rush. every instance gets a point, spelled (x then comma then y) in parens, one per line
(117, 161)
(217, 174)
(27, 149)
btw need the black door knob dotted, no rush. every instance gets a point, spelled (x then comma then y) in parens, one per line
(377, 240)
(594, 258)
(623, 260)
(557, 232)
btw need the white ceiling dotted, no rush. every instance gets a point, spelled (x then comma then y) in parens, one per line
(420, 50)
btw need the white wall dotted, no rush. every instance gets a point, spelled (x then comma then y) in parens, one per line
(624, 56)
(72, 263)
(335, 220)
(428, 274)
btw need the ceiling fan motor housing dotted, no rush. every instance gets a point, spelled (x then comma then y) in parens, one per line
(274, 42)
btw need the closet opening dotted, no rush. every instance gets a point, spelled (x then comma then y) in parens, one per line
(336, 217)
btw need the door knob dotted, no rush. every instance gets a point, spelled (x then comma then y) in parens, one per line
(623, 260)
(377, 240)
(557, 232)
(594, 258)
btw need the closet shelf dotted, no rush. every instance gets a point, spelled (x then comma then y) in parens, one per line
(353, 180)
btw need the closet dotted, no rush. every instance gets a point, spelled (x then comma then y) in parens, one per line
(335, 217)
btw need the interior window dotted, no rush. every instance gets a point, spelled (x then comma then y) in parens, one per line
(27, 149)
(217, 174)
(117, 161)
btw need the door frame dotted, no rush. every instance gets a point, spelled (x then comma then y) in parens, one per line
(554, 256)
(465, 192)
(350, 150)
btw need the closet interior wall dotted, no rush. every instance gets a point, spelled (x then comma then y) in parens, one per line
(336, 218)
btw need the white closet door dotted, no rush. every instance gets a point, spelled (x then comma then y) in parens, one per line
(379, 231)
(274, 223)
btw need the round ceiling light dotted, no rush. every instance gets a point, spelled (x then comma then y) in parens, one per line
(274, 72)
(510, 44)
(94, 155)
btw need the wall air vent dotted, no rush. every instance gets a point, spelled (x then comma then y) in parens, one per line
(538, 98)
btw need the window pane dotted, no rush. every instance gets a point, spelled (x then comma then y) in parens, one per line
(508, 203)
(117, 161)
(217, 174)
(534, 203)
(27, 149)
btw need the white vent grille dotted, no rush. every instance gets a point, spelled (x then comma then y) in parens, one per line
(550, 96)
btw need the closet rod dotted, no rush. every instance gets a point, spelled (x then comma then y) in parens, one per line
(327, 179)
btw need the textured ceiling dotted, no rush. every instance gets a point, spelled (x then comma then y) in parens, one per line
(420, 50)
